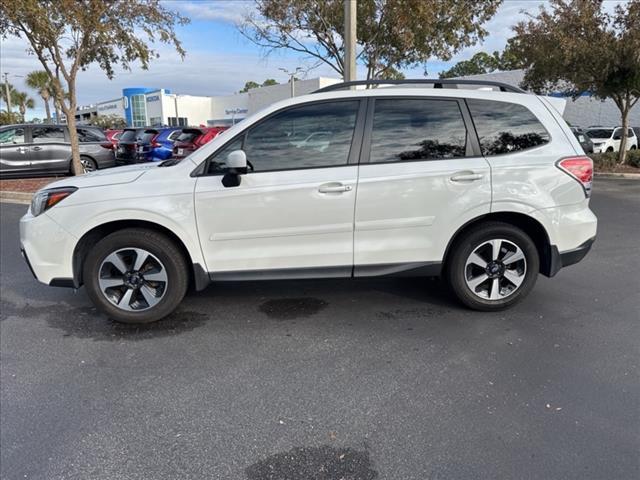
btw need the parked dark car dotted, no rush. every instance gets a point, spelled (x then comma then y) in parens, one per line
(193, 138)
(583, 138)
(37, 150)
(132, 144)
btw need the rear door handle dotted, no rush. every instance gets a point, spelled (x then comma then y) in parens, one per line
(466, 177)
(334, 187)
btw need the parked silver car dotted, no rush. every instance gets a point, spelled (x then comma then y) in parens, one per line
(36, 150)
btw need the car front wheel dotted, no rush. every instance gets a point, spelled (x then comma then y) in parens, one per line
(136, 275)
(493, 266)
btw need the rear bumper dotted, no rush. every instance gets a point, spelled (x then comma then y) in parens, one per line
(569, 257)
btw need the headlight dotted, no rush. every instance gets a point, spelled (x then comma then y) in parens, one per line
(45, 199)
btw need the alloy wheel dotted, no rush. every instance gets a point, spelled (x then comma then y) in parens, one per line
(133, 279)
(87, 165)
(495, 269)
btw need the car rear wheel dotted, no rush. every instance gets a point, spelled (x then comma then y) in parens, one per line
(136, 276)
(493, 266)
(88, 164)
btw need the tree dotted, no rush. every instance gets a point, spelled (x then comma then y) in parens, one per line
(251, 84)
(9, 118)
(39, 81)
(483, 62)
(577, 47)
(69, 35)
(392, 34)
(23, 101)
(109, 121)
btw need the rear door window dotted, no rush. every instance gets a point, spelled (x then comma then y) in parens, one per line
(12, 136)
(417, 129)
(48, 134)
(506, 127)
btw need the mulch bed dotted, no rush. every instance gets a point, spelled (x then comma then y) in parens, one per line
(26, 185)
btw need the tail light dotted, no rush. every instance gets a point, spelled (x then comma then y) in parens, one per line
(579, 168)
(108, 145)
(154, 142)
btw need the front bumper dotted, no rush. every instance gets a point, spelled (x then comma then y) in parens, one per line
(47, 249)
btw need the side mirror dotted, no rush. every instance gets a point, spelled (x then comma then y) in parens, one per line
(237, 165)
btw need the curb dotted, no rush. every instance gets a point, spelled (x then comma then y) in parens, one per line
(16, 197)
(630, 176)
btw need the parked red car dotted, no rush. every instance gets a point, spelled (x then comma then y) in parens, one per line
(113, 136)
(193, 138)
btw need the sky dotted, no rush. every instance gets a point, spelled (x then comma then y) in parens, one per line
(220, 60)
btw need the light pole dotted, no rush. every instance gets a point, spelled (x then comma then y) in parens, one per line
(350, 40)
(292, 76)
(6, 92)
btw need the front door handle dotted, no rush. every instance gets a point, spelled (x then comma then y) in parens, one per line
(37, 149)
(466, 177)
(334, 187)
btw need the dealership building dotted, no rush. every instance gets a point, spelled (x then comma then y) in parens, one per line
(140, 106)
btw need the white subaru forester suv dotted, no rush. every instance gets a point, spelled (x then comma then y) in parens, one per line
(488, 188)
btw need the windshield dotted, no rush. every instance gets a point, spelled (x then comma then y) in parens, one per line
(600, 133)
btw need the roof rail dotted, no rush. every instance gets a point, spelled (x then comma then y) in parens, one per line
(436, 82)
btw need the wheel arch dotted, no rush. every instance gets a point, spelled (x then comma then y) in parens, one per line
(198, 277)
(526, 223)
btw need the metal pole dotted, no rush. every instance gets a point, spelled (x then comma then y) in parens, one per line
(6, 92)
(350, 40)
(175, 104)
(293, 83)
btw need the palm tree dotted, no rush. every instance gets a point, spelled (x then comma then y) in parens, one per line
(39, 80)
(3, 94)
(23, 101)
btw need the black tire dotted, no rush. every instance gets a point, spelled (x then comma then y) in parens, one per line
(88, 164)
(610, 149)
(456, 269)
(163, 248)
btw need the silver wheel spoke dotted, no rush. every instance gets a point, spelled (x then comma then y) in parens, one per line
(125, 300)
(514, 277)
(495, 249)
(474, 282)
(110, 282)
(494, 294)
(156, 277)
(141, 257)
(476, 259)
(149, 296)
(115, 260)
(514, 257)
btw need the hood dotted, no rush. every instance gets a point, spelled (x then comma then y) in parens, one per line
(109, 176)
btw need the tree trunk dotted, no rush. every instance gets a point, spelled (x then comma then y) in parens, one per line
(47, 109)
(76, 166)
(622, 154)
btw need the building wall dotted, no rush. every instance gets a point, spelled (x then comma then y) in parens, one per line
(582, 112)
(141, 106)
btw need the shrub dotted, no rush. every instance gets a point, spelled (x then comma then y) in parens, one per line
(633, 158)
(604, 161)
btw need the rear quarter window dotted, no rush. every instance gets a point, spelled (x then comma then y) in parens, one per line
(506, 127)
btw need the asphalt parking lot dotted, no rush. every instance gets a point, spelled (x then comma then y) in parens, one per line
(366, 379)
